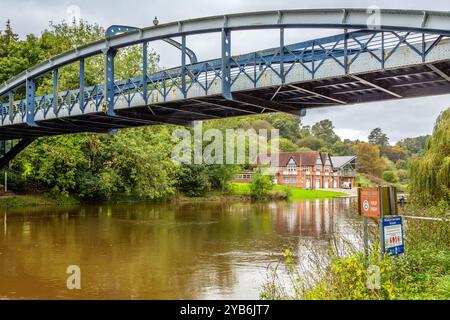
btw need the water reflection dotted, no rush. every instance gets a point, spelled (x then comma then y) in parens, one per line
(184, 251)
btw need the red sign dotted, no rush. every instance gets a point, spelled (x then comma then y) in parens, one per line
(369, 202)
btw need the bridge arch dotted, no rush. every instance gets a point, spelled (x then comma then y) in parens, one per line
(356, 66)
(390, 20)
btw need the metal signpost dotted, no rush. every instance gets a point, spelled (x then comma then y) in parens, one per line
(376, 203)
(369, 207)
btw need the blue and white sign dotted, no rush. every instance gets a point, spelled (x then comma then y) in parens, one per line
(393, 235)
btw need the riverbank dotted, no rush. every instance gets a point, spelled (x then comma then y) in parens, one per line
(237, 192)
(421, 273)
(15, 200)
(243, 189)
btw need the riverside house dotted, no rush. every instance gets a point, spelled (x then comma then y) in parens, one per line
(310, 170)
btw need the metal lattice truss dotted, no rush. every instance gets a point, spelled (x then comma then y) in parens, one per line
(406, 55)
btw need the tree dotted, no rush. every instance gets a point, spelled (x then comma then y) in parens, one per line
(286, 145)
(220, 175)
(9, 33)
(402, 165)
(390, 176)
(288, 124)
(305, 131)
(377, 137)
(311, 142)
(369, 159)
(260, 184)
(414, 146)
(403, 176)
(325, 130)
(394, 153)
(192, 180)
(90, 165)
(342, 148)
(430, 176)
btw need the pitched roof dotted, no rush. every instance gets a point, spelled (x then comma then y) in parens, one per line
(306, 158)
(339, 162)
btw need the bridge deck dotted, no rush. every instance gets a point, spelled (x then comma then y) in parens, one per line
(358, 67)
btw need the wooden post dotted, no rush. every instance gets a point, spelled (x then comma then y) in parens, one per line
(381, 225)
(366, 237)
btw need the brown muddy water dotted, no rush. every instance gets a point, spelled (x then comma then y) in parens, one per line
(211, 250)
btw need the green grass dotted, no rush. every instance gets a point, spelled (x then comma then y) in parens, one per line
(36, 200)
(243, 189)
(421, 273)
(14, 201)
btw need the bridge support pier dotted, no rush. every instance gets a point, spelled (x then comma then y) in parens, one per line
(14, 151)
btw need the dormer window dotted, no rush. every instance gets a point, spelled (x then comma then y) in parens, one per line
(319, 164)
(292, 166)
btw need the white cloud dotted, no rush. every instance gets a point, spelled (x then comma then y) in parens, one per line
(352, 134)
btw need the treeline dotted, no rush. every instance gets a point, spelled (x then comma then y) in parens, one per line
(138, 161)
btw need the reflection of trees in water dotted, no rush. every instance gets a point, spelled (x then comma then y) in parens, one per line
(152, 251)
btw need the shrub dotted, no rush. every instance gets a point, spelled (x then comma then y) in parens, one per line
(260, 185)
(277, 195)
(390, 176)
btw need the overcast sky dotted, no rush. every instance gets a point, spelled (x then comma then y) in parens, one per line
(399, 119)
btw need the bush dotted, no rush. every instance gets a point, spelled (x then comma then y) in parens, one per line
(402, 164)
(403, 175)
(260, 185)
(390, 176)
(16, 182)
(346, 280)
(277, 195)
(422, 272)
(192, 180)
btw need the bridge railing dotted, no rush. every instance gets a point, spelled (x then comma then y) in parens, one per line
(203, 78)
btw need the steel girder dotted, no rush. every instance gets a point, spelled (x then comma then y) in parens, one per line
(389, 20)
(344, 50)
(85, 105)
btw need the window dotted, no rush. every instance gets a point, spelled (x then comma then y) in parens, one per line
(327, 168)
(306, 169)
(290, 180)
(292, 166)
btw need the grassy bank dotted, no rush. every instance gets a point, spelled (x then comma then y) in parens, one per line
(423, 272)
(238, 192)
(11, 201)
(243, 189)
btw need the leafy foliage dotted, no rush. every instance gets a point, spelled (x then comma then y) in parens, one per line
(261, 184)
(369, 159)
(430, 176)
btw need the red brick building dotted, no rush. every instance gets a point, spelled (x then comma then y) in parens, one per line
(308, 170)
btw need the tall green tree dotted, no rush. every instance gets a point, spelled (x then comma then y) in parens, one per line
(325, 130)
(378, 137)
(369, 159)
(430, 176)
(311, 142)
(414, 146)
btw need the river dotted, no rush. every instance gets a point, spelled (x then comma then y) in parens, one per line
(206, 250)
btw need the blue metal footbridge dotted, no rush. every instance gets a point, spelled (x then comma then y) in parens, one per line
(406, 54)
